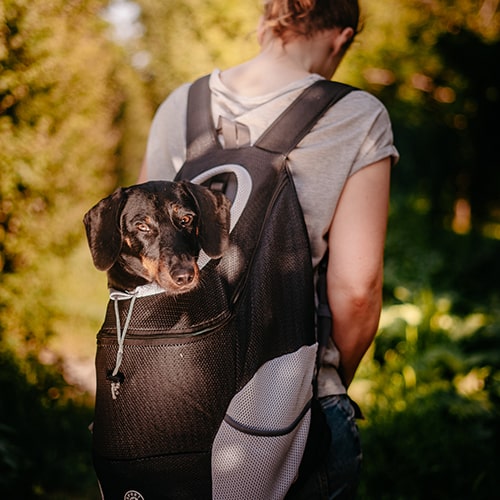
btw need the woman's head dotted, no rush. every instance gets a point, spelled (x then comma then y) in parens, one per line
(287, 19)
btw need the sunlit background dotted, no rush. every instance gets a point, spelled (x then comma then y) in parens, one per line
(79, 83)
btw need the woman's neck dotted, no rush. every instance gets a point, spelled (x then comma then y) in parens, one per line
(277, 65)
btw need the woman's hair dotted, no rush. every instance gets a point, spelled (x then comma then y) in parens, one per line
(289, 18)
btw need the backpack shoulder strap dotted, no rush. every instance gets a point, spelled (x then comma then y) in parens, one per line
(281, 136)
(299, 118)
(201, 135)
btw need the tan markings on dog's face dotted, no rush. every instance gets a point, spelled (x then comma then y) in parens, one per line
(150, 265)
(127, 241)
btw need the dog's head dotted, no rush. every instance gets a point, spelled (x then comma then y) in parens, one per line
(153, 232)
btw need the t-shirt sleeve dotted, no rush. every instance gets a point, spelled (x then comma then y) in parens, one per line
(166, 146)
(379, 140)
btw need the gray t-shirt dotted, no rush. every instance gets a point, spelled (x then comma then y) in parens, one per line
(353, 134)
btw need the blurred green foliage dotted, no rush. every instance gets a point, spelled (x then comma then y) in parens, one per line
(74, 115)
(44, 435)
(431, 391)
(64, 92)
(188, 38)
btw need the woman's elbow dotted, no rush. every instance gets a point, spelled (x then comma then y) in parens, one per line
(362, 299)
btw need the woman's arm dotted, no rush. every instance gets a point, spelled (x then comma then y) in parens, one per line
(355, 265)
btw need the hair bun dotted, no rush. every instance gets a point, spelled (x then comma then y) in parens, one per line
(288, 18)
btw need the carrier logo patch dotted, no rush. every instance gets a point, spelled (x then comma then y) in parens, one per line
(133, 495)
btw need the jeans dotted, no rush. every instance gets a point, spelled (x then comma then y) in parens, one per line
(344, 457)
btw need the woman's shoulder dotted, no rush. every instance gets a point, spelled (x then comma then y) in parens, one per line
(175, 100)
(361, 99)
(359, 108)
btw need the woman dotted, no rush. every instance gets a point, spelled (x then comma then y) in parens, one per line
(341, 171)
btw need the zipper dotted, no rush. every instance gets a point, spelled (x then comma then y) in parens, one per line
(162, 338)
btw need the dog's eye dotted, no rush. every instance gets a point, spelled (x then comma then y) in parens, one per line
(141, 226)
(186, 220)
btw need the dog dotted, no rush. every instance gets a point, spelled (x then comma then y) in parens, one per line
(153, 233)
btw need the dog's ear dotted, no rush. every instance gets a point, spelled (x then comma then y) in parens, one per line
(214, 218)
(102, 225)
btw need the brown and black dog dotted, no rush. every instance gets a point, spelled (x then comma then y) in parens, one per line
(153, 233)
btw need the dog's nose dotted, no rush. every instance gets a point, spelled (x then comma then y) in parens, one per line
(183, 277)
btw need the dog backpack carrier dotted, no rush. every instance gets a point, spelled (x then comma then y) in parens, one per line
(216, 385)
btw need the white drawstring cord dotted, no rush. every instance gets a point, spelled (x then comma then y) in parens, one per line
(120, 335)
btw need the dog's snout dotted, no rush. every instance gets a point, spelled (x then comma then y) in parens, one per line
(183, 277)
(179, 277)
